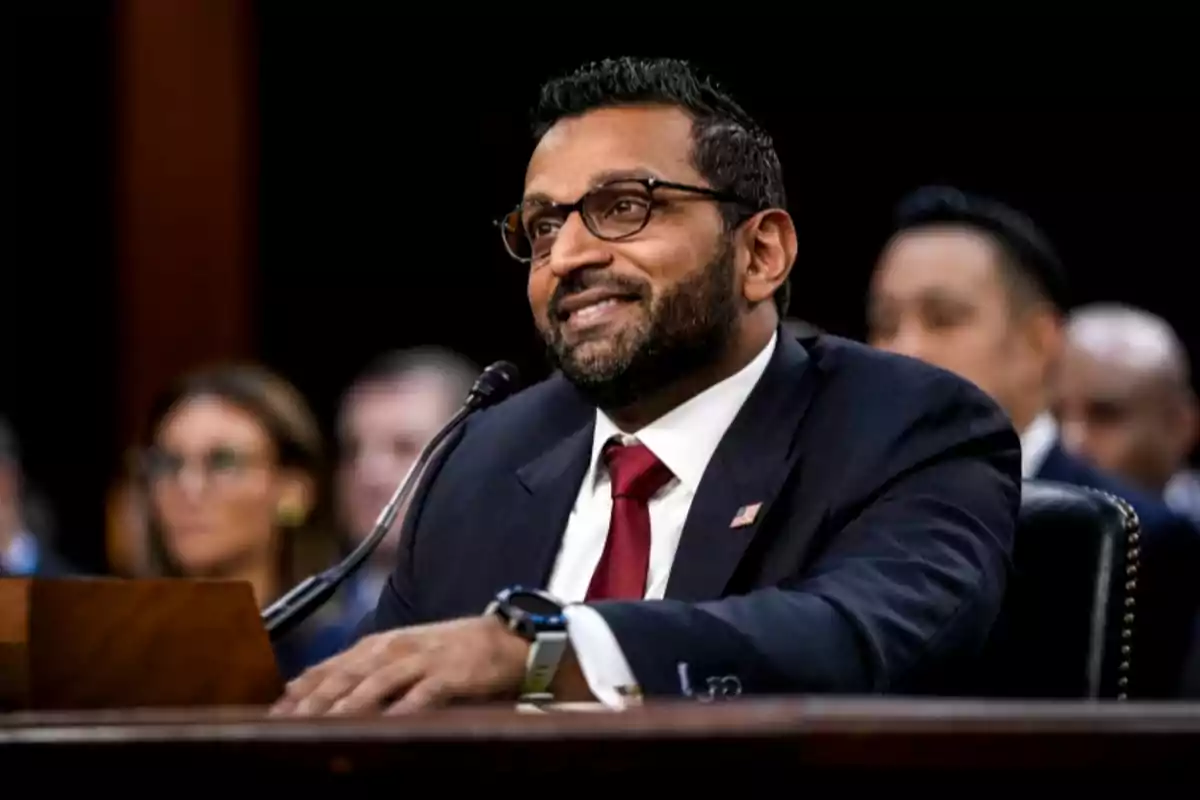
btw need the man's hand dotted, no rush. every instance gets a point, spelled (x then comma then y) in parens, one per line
(414, 668)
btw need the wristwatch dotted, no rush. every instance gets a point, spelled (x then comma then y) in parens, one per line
(537, 617)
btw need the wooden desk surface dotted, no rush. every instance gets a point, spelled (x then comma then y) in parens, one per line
(784, 733)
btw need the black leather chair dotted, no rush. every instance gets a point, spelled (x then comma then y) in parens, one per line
(1066, 627)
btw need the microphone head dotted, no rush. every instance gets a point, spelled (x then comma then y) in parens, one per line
(495, 383)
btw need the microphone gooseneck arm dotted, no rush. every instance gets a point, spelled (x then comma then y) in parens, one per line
(496, 383)
(387, 517)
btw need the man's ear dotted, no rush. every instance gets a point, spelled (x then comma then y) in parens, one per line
(1043, 330)
(770, 241)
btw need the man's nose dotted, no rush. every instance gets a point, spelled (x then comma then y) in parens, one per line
(192, 480)
(575, 247)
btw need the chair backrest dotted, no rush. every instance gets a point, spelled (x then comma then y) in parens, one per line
(1066, 627)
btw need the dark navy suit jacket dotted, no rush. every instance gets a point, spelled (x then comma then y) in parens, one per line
(877, 563)
(1168, 586)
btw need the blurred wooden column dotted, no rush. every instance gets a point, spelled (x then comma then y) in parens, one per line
(186, 191)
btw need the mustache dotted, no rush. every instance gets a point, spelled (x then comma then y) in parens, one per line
(583, 280)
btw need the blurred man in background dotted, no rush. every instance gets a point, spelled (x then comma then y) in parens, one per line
(391, 411)
(973, 286)
(1125, 401)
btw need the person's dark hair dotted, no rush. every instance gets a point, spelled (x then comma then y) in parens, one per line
(731, 151)
(1031, 265)
(292, 428)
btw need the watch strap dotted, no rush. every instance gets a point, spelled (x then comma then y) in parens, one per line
(545, 654)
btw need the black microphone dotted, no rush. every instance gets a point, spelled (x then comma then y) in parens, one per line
(495, 383)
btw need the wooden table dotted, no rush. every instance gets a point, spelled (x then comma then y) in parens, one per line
(749, 737)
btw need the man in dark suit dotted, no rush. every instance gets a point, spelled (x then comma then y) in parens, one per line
(973, 286)
(714, 508)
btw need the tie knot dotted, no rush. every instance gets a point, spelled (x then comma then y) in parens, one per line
(635, 472)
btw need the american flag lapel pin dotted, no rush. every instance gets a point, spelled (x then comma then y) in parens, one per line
(745, 515)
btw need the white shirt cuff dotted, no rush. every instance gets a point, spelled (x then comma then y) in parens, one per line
(600, 658)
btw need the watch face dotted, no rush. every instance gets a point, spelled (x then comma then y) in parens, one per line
(534, 604)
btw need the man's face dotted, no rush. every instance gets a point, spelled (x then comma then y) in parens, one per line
(382, 430)
(623, 318)
(1121, 418)
(938, 295)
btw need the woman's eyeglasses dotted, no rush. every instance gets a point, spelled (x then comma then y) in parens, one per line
(214, 464)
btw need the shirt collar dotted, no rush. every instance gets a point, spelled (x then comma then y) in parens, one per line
(1036, 442)
(685, 438)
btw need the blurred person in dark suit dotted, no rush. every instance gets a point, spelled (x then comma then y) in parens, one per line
(390, 412)
(238, 490)
(973, 286)
(25, 519)
(1125, 400)
(711, 507)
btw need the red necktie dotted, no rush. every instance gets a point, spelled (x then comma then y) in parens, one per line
(636, 476)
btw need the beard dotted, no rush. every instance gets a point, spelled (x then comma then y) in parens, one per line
(685, 329)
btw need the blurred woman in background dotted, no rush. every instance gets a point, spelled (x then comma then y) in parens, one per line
(236, 485)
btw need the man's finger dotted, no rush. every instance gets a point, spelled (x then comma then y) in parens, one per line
(322, 697)
(383, 683)
(298, 688)
(283, 707)
(427, 693)
(360, 660)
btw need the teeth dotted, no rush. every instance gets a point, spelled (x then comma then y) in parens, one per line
(589, 313)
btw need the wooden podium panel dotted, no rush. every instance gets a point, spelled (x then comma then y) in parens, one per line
(163, 643)
(742, 743)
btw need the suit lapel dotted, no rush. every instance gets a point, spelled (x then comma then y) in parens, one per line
(551, 483)
(749, 466)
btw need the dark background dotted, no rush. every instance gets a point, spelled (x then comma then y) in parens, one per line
(380, 169)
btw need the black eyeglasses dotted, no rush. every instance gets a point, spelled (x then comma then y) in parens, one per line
(613, 211)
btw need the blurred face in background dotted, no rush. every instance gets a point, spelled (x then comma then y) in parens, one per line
(939, 294)
(382, 428)
(215, 488)
(1125, 419)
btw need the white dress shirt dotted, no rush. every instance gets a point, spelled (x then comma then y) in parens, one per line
(1036, 442)
(684, 440)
